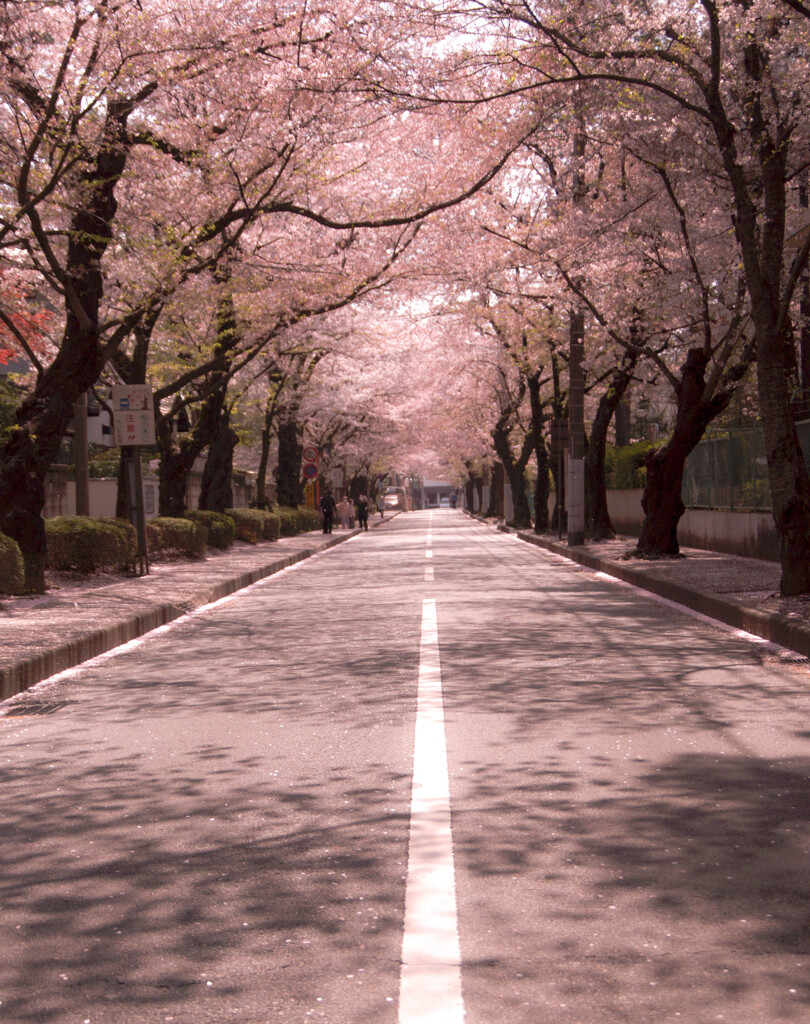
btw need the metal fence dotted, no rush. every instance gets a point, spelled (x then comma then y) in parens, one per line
(728, 470)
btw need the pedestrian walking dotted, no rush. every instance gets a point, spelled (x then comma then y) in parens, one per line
(381, 504)
(362, 511)
(342, 509)
(327, 504)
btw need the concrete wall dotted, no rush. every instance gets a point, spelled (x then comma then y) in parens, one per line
(737, 533)
(61, 494)
(103, 495)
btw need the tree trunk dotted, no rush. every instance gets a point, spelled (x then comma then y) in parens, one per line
(790, 486)
(262, 500)
(515, 470)
(597, 518)
(216, 492)
(541, 489)
(288, 471)
(30, 447)
(176, 461)
(541, 486)
(760, 227)
(662, 502)
(469, 492)
(559, 517)
(358, 484)
(177, 457)
(492, 504)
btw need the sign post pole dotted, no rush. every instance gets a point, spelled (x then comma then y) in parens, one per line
(136, 510)
(310, 456)
(134, 423)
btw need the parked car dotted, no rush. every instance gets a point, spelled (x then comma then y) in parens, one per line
(394, 498)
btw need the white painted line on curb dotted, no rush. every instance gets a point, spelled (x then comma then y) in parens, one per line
(740, 634)
(430, 983)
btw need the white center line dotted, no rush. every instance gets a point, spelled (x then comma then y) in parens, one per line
(429, 573)
(430, 984)
(428, 553)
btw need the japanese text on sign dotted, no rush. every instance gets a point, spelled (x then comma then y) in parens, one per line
(134, 415)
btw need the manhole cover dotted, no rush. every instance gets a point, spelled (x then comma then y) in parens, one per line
(35, 707)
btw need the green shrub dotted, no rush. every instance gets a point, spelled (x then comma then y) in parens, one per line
(308, 520)
(272, 525)
(129, 532)
(220, 528)
(297, 520)
(176, 536)
(624, 467)
(289, 521)
(249, 523)
(82, 544)
(12, 571)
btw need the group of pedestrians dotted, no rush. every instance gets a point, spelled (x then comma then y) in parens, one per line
(348, 510)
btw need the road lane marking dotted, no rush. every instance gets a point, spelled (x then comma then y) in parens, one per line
(429, 574)
(430, 983)
(428, 553)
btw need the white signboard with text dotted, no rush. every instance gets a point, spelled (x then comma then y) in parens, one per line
(134, 414)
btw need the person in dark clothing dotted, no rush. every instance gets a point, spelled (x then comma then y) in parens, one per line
(362, 511)
(327, 504)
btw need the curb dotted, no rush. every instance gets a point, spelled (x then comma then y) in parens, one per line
(26, 673)
(771, 626)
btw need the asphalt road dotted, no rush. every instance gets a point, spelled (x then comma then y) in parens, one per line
(215, 825)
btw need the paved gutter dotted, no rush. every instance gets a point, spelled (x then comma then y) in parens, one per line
(774, 627)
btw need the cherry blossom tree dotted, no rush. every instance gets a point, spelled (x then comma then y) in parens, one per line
(732, 78)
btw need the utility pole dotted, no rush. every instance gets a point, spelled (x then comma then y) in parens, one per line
(575, 489)
(576, 430)
(804, 310)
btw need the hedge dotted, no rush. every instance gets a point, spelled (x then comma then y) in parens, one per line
(309, 518)
(82, 544)
(289, 521)
(220, 528)
(297, 520)
(181, 536)
(12, 571)
(625, 468)
(272, 524)
(249, 523)
(126, 527)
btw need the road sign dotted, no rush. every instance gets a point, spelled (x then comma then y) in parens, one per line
(310, 453)
(134, 414)
(310, 471)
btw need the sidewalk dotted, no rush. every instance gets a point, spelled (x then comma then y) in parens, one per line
(40, 636)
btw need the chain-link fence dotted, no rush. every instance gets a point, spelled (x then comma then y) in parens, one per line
(728, 470)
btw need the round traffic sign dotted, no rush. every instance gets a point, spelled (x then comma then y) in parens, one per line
(310, 453)
(310, 470)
